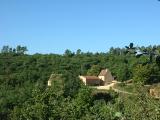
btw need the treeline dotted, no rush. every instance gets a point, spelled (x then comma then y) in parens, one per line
(19, 49)
(23, 82)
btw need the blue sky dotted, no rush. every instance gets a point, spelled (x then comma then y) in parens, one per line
(51, 26)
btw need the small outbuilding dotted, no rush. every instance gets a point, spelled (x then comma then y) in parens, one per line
(104, 78)
(91, 80)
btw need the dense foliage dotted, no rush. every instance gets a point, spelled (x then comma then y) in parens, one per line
(24, 93)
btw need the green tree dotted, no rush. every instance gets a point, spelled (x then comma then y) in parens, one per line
(21, 49)
(68, 53)
(142, 74)
(131, 49)
(5, 49)
(78, 52)
(94, 70)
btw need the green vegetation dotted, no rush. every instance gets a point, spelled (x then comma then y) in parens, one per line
(125, 87)
(24, 92)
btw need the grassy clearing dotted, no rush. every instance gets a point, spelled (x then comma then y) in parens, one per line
(125, 87)
(131, 88)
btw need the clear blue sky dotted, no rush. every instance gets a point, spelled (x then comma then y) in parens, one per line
(51, 26)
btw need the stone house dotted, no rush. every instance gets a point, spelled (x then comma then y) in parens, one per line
(104, 78)
(91, 80)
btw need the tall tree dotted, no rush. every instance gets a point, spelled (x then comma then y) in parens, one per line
(131, 49)
(5, 49)
(151, 52)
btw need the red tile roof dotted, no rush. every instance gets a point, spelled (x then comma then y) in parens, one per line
(92, 78)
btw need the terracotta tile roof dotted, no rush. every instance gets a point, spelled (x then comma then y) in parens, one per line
(103, 72)
(91, 78)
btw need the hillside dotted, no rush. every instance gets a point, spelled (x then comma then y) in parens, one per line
(24, 93)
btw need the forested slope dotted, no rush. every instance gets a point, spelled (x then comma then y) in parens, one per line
(24, 93)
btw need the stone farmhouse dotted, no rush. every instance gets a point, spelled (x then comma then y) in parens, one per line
(104, 78)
